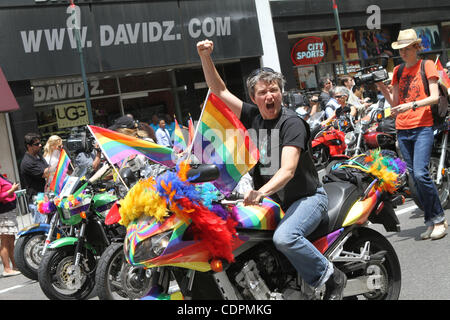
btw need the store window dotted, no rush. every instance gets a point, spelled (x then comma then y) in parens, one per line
(60, 104)
(431, 42)
(146, 94)
(445, 37)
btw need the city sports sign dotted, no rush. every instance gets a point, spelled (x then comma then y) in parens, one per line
(310, 50)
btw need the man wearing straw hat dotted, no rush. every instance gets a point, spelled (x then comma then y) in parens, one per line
(414, 124)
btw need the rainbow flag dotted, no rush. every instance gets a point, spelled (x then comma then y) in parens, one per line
(443, 77)
(61, 171)
(265, 216)
(191, 130)
(117, 146)
(179, 145)
(221, 139)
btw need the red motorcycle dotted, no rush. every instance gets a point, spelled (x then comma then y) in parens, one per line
(328, 144)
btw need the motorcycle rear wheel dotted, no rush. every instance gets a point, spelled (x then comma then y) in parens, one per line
(27, 254)
(390, 267)
(443, 189)
(56, 274)
(116, 279)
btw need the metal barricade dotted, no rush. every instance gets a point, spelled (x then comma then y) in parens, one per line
(23, 212)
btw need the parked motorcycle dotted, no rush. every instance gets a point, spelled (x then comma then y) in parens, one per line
(371, 132)
(33, 240)
(171, 248)
(67, 270)
(115, 278)
(328, 144)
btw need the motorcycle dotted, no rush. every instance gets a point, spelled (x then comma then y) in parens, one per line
(67, 270)
(439, 165)
(33, 240)
(371, 132)
(115, 278)
(329, 144)
(174, 250)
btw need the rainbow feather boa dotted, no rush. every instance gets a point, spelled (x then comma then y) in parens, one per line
(385, 168)
(44, 205)
(173, 192)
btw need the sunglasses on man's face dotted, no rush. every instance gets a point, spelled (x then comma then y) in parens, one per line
(340, 96)
(259, 70)
(36, 144)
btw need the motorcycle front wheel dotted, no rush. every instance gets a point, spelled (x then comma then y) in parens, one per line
(60, 279)
(116, 279)
(388, 269)
(27, 254)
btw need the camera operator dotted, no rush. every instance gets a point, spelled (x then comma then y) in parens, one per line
(89, 158)
(83, 149)
(414, 124)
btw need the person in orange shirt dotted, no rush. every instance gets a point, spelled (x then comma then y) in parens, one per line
(414, 124)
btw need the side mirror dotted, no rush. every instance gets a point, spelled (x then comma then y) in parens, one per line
(203, 173)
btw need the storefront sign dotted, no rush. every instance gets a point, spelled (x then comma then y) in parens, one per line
(117, 36)
(23, 3)
(71, 115)
(62, 91)
(310, 50)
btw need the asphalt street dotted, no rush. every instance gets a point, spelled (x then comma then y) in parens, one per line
(424, 263)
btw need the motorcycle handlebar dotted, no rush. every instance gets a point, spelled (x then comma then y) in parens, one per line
(235, 198)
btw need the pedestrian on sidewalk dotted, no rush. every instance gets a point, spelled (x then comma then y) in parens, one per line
(34, 171)
(52, 151)
(414, 124)
(8, 225)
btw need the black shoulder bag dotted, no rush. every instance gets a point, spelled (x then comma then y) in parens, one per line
(6, 207)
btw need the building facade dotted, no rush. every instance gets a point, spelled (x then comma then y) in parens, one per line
(139, 57)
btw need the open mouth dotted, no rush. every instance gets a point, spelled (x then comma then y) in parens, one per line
(270, 106)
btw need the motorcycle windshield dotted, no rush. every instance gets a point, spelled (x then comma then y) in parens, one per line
(75, 181)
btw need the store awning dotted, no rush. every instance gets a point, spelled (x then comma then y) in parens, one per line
(7, 100)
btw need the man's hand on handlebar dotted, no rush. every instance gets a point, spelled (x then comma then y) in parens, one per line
(253, 197)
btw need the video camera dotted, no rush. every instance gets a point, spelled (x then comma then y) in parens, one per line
(80, 140)
(371, 74)
(294, 99)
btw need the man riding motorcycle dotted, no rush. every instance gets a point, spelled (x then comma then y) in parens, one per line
(281, 175)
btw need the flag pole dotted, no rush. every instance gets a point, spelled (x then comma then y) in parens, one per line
(198, 125)
(70, 163)
(338, 28)
(107, 158)
(435, 62)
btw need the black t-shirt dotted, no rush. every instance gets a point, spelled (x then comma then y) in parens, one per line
(32, 169)
(293, 131)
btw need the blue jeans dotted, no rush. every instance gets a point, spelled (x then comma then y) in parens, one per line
(415, 145)
(301, 219)
(37, 216)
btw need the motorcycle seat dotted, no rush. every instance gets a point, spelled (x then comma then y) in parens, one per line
(341, 196)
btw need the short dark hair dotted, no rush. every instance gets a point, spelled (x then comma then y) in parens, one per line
(322, 81)
(356, 87)
(31, 138)
(344, 79)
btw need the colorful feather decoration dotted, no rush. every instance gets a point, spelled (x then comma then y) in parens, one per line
(385, 168)
(172, 191)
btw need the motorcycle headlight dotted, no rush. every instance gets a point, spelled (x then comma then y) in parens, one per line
(350, 138)
(152, 247)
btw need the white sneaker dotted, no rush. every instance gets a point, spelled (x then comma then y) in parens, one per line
(427, 234)
(439, 231)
